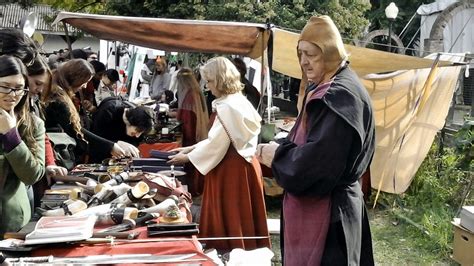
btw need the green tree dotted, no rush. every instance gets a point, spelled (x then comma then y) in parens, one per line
(83, 6)
(349, 16)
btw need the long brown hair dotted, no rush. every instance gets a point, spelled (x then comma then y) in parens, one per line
(66, 78)
(10, 66)
(187, 84)
(40, 67)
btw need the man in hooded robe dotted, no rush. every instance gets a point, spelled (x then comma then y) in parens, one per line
(320, 163)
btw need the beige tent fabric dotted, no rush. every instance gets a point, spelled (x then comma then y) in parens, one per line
(405, 127)
(363, 60)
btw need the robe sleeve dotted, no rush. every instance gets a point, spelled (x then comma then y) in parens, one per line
(208, 153)
(49, 152)
(29, 167)
(318, 164)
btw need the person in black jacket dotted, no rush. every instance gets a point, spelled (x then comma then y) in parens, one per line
(319, 164)
(249, 90)
(117, 120)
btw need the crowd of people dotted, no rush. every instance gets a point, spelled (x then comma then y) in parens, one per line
(318, 165)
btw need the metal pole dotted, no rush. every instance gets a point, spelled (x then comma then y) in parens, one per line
(390, 35)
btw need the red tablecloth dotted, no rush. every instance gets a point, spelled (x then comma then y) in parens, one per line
(146, 148)
(185, 245)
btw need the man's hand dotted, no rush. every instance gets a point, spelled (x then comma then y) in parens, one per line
(129, 149)
(266, 152)
(88, 106)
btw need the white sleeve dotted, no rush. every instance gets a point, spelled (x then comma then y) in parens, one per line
(208, 153)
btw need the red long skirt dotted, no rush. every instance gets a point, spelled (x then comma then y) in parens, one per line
(233, 204)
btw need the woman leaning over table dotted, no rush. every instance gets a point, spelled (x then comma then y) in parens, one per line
(22, 146)
(232, 203)
(60, 111)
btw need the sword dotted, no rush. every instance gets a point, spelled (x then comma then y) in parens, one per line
(92, 241)
(108, 259)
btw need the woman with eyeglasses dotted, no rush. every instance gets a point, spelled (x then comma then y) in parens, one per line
(21, 146)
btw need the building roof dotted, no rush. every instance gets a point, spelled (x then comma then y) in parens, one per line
(11, 14)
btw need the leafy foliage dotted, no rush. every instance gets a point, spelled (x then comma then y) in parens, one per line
(441, 186)
(348, 15)
(83, 6)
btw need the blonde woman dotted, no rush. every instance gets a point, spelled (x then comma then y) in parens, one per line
(233, 203)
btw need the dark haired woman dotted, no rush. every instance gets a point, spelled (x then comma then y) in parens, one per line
(39, 78)
(22, 146)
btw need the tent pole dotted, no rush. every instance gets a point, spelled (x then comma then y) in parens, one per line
(262, 79)
(68, 40)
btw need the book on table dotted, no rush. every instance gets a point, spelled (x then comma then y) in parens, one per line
(61, 229)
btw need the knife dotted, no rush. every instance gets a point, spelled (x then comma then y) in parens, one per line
(129, 224)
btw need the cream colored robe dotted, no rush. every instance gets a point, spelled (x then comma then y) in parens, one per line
(236, 122)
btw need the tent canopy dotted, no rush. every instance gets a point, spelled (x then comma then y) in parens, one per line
(176, 35)
(248, 39)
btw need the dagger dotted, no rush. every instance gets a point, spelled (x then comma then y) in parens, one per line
(129, 224)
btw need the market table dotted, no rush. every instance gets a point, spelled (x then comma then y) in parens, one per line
(176, 245)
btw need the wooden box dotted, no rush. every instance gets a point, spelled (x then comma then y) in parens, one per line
(463, 245)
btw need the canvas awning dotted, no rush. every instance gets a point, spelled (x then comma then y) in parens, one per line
(363, 60)
(177, 35)
(248, 39)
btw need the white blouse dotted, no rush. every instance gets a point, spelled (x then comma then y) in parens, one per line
(236, 122)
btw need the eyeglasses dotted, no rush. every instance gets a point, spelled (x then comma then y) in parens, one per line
(16, 91)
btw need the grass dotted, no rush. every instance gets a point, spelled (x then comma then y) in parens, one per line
(394, 241)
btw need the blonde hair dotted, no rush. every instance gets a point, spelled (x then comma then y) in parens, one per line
(225, 74)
